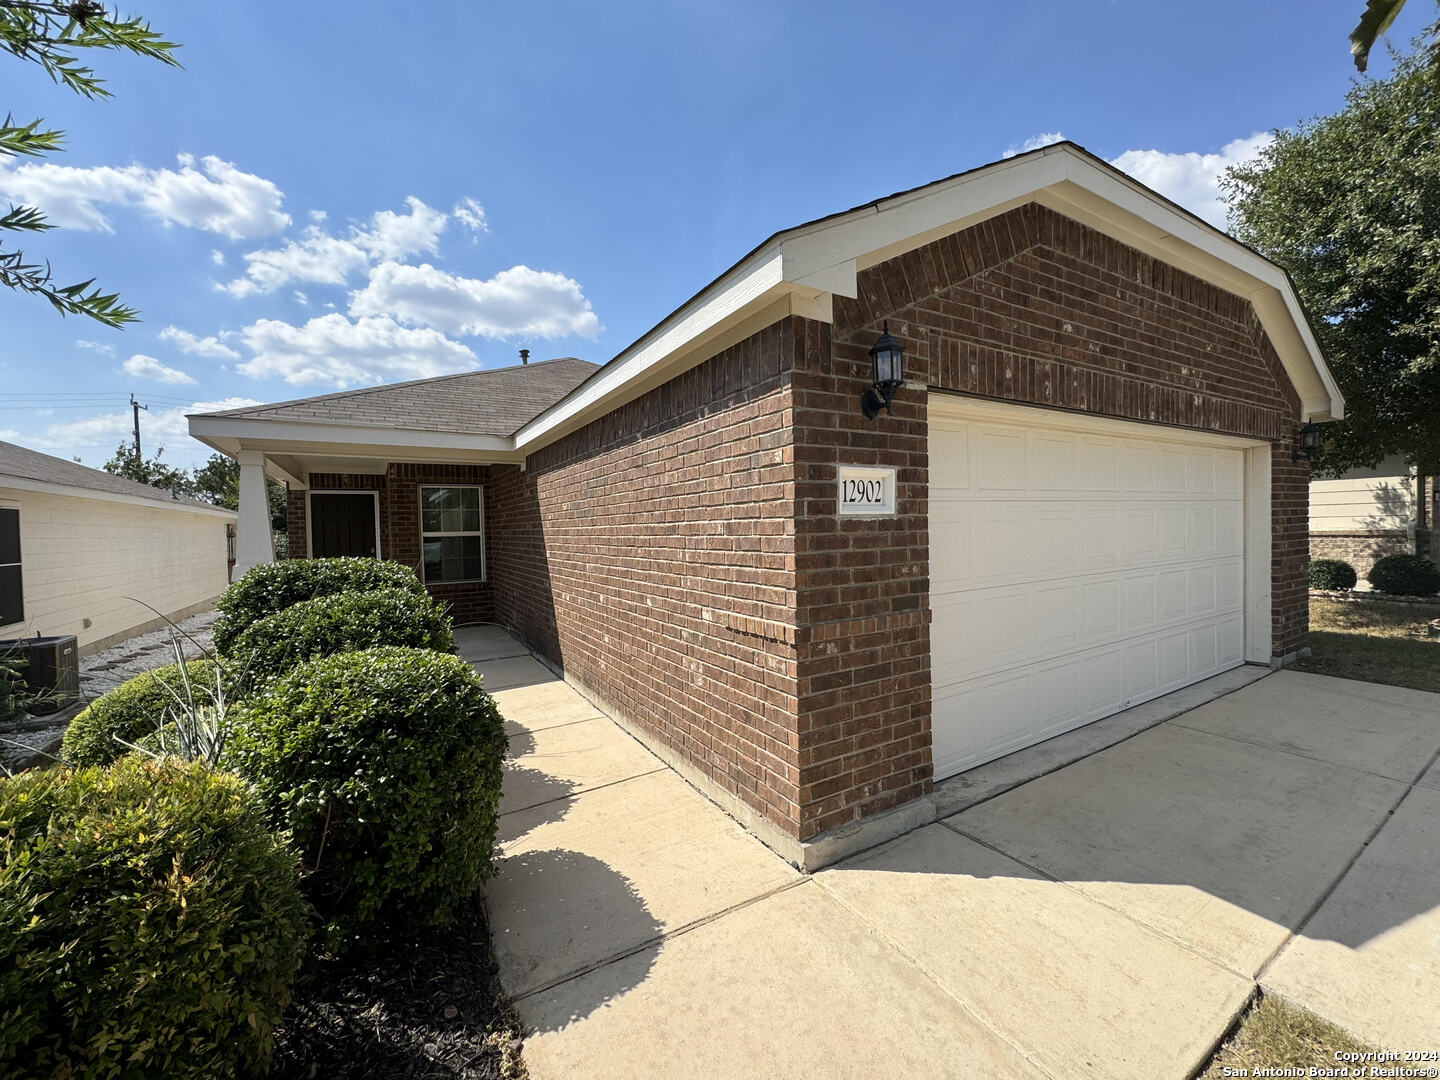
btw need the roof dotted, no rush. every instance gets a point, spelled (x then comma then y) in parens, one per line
(20, 463)
(495, 401)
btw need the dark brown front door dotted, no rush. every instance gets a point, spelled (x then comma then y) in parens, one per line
(342, 524)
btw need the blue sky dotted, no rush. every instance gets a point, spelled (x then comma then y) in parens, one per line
(330, 196)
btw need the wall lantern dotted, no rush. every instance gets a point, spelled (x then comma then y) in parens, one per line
(887, 353)
(1307, 441)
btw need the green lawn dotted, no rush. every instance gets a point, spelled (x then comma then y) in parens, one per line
(1376, 641)
(1275, 1034)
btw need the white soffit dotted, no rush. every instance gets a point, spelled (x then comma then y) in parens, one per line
(798, 270)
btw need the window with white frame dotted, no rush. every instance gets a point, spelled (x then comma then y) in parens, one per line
(452, 538)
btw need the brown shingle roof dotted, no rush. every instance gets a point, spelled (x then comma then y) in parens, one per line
(26, 464)
(498, 401)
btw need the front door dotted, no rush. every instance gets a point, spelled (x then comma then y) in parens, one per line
(342, 523)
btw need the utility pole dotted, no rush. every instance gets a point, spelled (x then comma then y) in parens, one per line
(135, 407)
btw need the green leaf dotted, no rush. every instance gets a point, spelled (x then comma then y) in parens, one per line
(1374, 21)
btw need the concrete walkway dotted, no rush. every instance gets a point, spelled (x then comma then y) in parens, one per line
(1109, 918)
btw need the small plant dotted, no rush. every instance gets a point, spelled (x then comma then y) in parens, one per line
(341, 623)
(272, 587)
(150, 924)
(135, 710)
(1331, 574)
(1405, 575)
(195, 725)
(384, 766)
(12, 683)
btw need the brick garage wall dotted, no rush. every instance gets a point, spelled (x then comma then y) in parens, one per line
(400, 524)
(1027, 307)
(1360, 550)
(652, 555)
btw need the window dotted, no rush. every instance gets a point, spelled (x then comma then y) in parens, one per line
(451, 536)
(12, 595)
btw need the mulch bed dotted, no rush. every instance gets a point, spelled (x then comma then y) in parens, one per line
(422, 1006)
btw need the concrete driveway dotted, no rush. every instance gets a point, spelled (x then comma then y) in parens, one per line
(1109, 918)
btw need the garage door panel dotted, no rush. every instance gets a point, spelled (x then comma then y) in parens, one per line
(1074, 574)
(1000, 456)
(1052, 463)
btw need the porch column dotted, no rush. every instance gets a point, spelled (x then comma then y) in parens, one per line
(253, 542)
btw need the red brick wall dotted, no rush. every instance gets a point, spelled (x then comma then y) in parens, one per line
(652, 555)
(400, 524)
(1027, 307)
(1361, 550)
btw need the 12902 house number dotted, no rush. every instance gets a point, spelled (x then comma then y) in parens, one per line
(865, 490)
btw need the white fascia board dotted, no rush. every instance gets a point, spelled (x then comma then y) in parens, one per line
(751, 287)
(22, 483)
(353, 438)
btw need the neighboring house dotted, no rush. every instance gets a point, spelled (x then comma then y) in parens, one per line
(1084, 497)
(77, 543)
(1370, 513)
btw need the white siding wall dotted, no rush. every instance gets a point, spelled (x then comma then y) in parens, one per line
(82, 557)
(1365, 500)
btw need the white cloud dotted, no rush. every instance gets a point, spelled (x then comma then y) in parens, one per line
(189, 343)
(334, 351)
(394, 236)
(147, 367)
(1034, 142)
(518, 302)
(1191, 179)
(217, 197)
(301, 298)
(217, 257)
(9, 433)
(329, 260)
(318, 216)
(471, 214)
(102, 347)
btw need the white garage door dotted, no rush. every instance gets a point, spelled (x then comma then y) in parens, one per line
(1073, 573)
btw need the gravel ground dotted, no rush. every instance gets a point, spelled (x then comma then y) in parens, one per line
(104, 671)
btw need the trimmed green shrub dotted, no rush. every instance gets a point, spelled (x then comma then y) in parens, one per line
(132, 711)
(1405, 575)
(384, 766)
(340, 623)
(272, 587)
(150, 925)
(1331, 574)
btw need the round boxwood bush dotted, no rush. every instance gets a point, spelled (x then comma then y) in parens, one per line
(272, 587)
(383, 765)
(1331, 574)
(1405, 575)
(150, 924)
(341, 623)
(132, 711)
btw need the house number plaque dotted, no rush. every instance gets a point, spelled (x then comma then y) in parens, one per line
(865, 490)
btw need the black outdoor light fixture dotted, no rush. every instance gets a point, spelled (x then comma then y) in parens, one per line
(887, 353)
(1307, 441)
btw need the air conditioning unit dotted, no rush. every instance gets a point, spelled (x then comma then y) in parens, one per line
(52, 669)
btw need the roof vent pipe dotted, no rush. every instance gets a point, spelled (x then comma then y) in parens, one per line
(524, 356)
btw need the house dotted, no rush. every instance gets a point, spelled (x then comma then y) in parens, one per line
(79, 547)
(1367, 514)
(1083, 495)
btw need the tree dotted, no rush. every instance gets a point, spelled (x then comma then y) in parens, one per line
(154, 472)
(1350, 205)
(51, 34)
